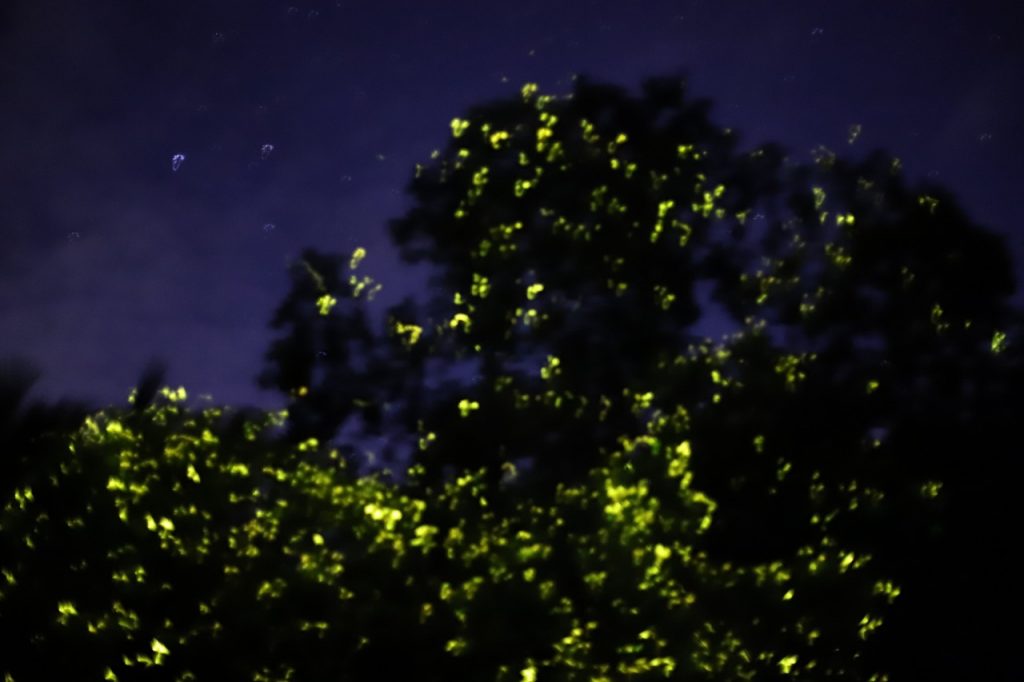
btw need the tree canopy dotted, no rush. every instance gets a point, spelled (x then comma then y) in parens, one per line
(864, 398)
(594, 490)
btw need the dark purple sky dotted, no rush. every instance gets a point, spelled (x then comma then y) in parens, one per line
(109, 257)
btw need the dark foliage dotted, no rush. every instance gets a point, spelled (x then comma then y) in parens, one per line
(869, 387)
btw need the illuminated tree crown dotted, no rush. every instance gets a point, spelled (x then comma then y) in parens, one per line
(596, 491)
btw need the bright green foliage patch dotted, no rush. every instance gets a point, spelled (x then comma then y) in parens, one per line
(164, 545)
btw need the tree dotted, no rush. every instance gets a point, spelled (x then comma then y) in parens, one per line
(169, 543)
(577, 241)
(596, 493)
(29, 429)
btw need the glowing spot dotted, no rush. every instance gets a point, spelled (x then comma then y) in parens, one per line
(325, 303)
(551, 369)
(481, 286)
(467, 406)
(426, 440)
(998, 342)
(357, 257)
(174, 395)
(868, 625)
(410, 332)
(459, 126)
(498, 137)
(238, 469)
(819, 197)
(663, 296)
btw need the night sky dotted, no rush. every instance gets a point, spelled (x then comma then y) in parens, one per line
(300, 122)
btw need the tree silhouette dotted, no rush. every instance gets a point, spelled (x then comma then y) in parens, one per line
(596, 492)
(29, 429)
(149, 383)
(167, 543)
(862, 403)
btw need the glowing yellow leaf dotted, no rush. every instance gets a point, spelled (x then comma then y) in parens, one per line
(357, 257)
(459, 126)
(325, 303)
(467, 406)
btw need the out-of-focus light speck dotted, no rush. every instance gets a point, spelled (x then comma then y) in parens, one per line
(852, 133)
(269, 227)
(218, 38)
(346, 178)
(817, 31)
(265, 151)
(313, 14)
(985, 137)
(73, 236)
(176, 161)
(381, 157)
